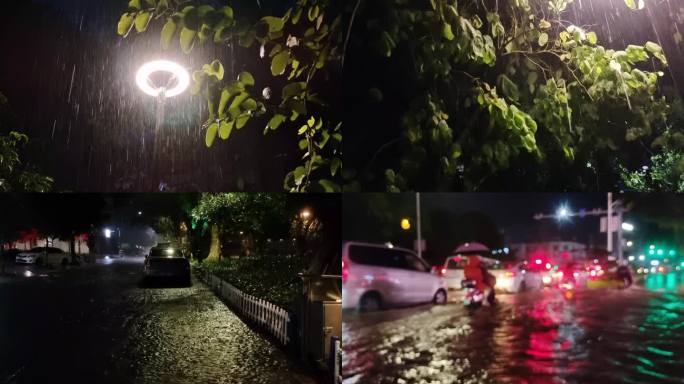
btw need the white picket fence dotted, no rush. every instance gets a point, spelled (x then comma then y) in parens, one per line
(269, 316)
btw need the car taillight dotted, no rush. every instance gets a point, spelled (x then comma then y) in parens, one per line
(509, 274)
(442, 271)
(345, 272)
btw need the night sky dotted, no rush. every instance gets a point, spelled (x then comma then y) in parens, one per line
(652, 214)
(70, 82)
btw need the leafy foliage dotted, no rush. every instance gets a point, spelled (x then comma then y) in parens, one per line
(502, 87)
(300, 46)
(260, 215)
(13, 175)
(273, 279)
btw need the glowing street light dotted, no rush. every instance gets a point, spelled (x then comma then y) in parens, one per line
(107, 233)
(139, 213)
(562, 213)
(178, 82)
(629, 227)
(630, 243)
(405, 224)
(305, 214)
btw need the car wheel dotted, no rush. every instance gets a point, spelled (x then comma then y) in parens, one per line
(370, 302)
(440, 297)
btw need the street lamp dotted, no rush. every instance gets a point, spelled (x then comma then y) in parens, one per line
(139, 213)
(563, 213)
(305, 214)
(179, 75)
(405, 224)
(629, 227)
(107, 233)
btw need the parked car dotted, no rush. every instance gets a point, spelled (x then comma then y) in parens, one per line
(41, 255)
(169, 268)
(164, 250)
(377, 276)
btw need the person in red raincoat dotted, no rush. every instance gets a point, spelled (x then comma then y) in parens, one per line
(477, 272)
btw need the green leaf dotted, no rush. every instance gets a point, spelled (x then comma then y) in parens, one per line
(246, 78)
(591, 37)
(303, 144)
(237, 101)
(241, 121)
(299, 174)
(249, 105)
(191, 18)
(447, 33)
(635, 4)
(329, 186)
(543, 39)
(656, 50)
(275, 24)
(125, 24)
(187, 39)
(225, 129)
(390, 176)
(509, 88)
(167, 33)
(135, 4)
(335, 165)
(293, 89)
(141, 21)
(214, 69)
(275, 121)
(279, 63)
(211, 134)
(313, 12)
(223, 101)
(544, 24)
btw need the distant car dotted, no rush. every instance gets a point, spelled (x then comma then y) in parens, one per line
(377, 276)
(452, 271)
(517, 277)
(168, 268)
(40, 255)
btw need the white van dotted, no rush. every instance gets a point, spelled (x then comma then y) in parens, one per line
(375, 276)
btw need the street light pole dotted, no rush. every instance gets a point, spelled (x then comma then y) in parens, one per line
(420, 247)
(609, 221)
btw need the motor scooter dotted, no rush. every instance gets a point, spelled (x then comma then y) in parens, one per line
(474, 297)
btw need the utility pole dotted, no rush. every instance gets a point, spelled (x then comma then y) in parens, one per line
(420, 245)
(609, 221)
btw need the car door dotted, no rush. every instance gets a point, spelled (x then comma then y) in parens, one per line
(422, 281)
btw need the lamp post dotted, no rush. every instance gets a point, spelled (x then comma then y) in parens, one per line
(176, 84)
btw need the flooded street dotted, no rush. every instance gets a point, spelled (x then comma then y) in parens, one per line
(96, 323)
(549, 336)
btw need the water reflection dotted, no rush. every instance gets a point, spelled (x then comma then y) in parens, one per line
(634, 335)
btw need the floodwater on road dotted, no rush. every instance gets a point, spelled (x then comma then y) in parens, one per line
(604, 336)
(96, 324)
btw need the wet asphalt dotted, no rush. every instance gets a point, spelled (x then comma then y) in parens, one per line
(634, 335)
(100, 324)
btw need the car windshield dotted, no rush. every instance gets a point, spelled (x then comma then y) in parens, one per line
(168, 260)
(166, 251)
